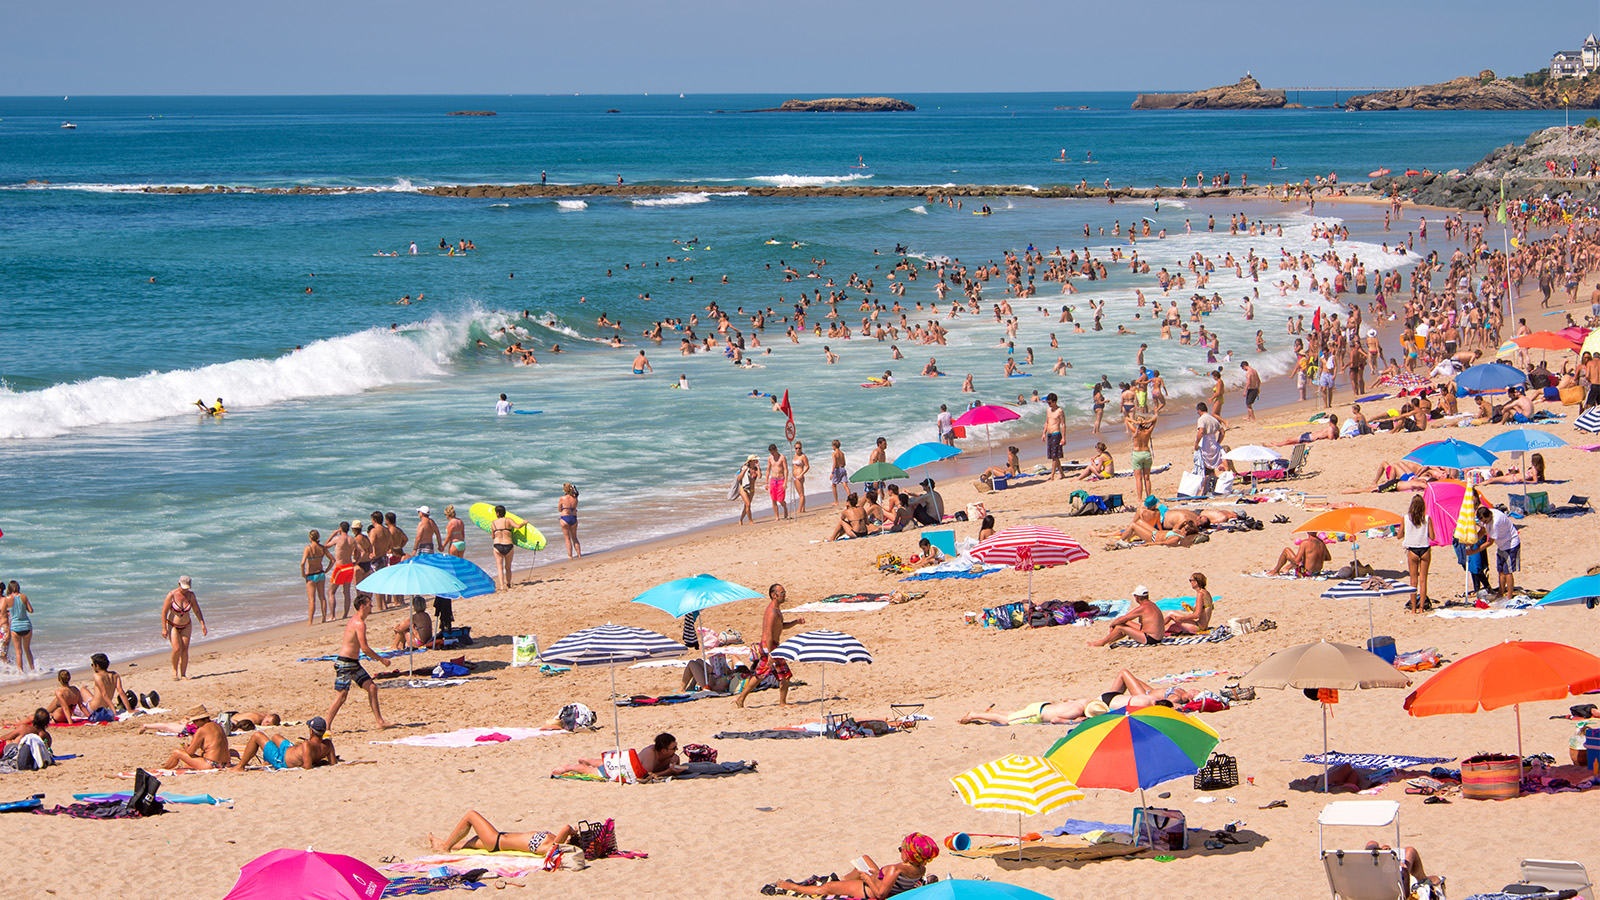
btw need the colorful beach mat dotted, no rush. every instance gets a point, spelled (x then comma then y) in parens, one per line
(1376, 760)
(1216, 636)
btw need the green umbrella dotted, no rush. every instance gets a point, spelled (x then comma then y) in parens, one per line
(878, 471)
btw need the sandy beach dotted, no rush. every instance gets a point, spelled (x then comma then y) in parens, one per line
(814, 805)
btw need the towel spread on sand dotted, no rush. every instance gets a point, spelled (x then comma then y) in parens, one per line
(412, 885)
(869, 606)
(1191, 675)
(1376, 760)
(665, 699)
(1084, 826)
(505, 864)
(957, 570)
(1478, 613)
(467, 737)
(196, 799)
(1216, 636)
(386, 654)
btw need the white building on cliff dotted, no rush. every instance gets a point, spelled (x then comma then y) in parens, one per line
(1576, 63)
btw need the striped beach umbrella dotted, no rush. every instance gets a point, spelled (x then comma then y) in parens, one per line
(608, 645)
(1369, 588)
(1590, 419)
(474, 580)
(1029, 545)
(1025, 785)
(1132, 749)
(823, 647)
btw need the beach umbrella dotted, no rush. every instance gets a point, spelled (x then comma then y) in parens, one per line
(925, 453)
(1546, 340)
(1027, 546)
(1351, 521)
(1324, 665)
(475, 582)
(1583, 589)
(1025, 785)
(1589, 420)
(878, 471)
(307, 875)
(1591, 342)
(971, 889)
(1253, 453)
(1450, 454)
(1510, 673)
(1521, 441)
(407, 580)
(686, 595)
(1133, 749)
(987, 414)
(608, 645)
(823, 647)
(1490, 377)
(1369, 588)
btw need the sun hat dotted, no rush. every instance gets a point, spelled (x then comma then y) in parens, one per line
(1095, 708)
(196, 713)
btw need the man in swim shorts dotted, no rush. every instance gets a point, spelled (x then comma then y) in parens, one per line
(773, 626)
(1145, 622)
(207, 749)
(777, 481)
(641, 365)
(1055, 422)
(342, 547)
(837, 475)
(282, 753)
(1252, 390)
(427, 531)
(347, 668)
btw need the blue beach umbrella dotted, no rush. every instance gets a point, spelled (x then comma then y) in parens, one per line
(1490, 377)
(475, 581)
(969, 889)
(403, 580)
(1583, 589)
(1522, 440)
(1451, 454)
(687, 595)
(925, 453)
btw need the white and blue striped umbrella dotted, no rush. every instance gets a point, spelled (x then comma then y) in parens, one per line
(475, 581)
(823, 647)
(1357, 587)
(1589, 421)
(609, 644)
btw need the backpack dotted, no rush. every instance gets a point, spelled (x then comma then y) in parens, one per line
(574, 716)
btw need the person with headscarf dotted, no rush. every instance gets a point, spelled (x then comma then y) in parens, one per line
(868, 880)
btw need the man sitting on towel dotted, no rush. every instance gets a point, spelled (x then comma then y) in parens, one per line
(1145, 622)
(282, 753)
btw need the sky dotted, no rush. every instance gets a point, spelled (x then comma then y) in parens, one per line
(811, 47)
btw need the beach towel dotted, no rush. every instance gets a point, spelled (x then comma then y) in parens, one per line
(104, 809)
(386, 654)
(1478, 613)
(872, 597)
(931, 575)
(505, 864)
(1084, 826)
(869, 606)
(433, 682)
(412, 885)
(1191, 675)
(665, 699)
(769, 734)
(173, 773)
(467, 737)
(1040, 851)
(194, 799)
(1376, 760)
(716, 769)
(1215, 636)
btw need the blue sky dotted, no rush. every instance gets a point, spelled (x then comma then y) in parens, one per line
(726, 46)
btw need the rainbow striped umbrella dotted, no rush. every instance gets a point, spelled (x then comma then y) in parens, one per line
(1025, 785)
(1130, 750)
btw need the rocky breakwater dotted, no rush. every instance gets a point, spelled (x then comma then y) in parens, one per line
(1246, 94)
(843, 104)
(1482, 92)
(1524, 170)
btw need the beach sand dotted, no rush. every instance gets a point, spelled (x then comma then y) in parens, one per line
(815, 805)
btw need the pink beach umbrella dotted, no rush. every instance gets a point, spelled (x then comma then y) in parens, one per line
(987, 414)
(1027, 546)
(307, 875)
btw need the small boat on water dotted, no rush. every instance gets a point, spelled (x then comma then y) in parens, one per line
(68, 125)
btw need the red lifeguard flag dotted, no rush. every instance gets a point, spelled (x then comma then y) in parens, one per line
(1316, 320)
(784, 405)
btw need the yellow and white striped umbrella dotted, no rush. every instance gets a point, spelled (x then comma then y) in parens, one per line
(1467, 519)
(1026, 785)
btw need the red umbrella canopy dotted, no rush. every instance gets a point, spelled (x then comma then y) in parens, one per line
(987, 414)
(1045, 547)
(1507, 674)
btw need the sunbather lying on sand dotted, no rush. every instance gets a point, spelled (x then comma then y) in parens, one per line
(1047, 712)
(245, 721)
(474, 832)
(282, 753)
(1403, 475)
(1306, 554)
(659, 759)
(916, 851)
(1328, 431)
(1130, 691)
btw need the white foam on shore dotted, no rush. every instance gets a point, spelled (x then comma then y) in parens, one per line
(572, 205)
(681, 199)
(806, 180)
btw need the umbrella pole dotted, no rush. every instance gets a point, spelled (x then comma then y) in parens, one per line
(616, 722)
(1030, 585)
(1324, 748)
(1144, 816)
(1019, 837)
(824, 684)
(1372, 631)
(1518, 708)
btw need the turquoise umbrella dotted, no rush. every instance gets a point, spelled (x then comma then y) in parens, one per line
(1521, 441)
(407, 580)
(1583, 589)
(969, 889)
(925, 453)
(1451, 454)
(687, 595)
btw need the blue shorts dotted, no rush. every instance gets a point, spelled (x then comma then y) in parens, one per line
(347, 671)
(1508, 561)
(273, 751)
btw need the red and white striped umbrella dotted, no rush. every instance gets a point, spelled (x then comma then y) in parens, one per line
(1045, 547)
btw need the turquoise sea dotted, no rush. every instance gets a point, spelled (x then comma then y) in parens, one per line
(111, 485)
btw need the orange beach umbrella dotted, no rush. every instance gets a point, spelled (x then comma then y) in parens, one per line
(1350, 520)
(1507, 674)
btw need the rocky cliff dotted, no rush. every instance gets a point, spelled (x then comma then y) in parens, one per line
(1246, 94)
(1460, 93)
(844, 104)
(1522, 168)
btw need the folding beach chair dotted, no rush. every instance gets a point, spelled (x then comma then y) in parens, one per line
(1558, 875)
(1364, 874)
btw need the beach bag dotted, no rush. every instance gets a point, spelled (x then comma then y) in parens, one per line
(574, 716)
(143, 801)
(598, 839)
(1039, 617)
(623, 768)
(700, 753)
(565, 856)
(1166, 830)
(524, 650)
(1225, 482)
(1190, 484)
(976, 512)
(29, 753)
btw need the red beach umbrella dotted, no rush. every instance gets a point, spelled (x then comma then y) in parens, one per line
(1029, 545)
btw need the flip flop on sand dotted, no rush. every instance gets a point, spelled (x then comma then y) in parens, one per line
(1277, 804)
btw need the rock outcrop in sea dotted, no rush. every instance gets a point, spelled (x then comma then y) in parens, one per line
(843, 104)
(1525, 170)
(1246, 94)
(1466, 92)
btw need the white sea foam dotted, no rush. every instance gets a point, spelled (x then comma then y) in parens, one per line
(682, 199)
(499, 205)
(920, 210)
(343, 365)
(99, 188)
(804, 180)
(572, 205)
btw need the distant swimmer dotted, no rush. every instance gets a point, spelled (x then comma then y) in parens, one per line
(204, 408)
(413, 248)
(641, 365)
(502, 407)
(683, 382)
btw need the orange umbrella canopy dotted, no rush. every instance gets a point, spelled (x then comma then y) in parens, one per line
(1351, 520)
(1545, 340)
(1507, 674)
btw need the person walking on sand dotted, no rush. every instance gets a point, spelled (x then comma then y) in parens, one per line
(567, 513)
(797, 476)
(777, 481)
(455, 533)
(1252, 390)
(347, 668)
(312, 562)
(1055, 423)
(504, 545)
(773, 626)
(18, 613)
(744, 485)
(176, 625)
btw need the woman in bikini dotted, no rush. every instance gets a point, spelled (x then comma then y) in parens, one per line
(177, 624)
(504, 545)
(455, 533)
(916, 851)
(1418, 544)
(474, 832)
(18, 613)
(746, 484)
(567, 506)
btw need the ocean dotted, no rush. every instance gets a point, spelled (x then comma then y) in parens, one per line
(122, 308)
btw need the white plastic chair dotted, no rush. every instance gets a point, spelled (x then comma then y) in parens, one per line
(1558, 875)
(1364, 874)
